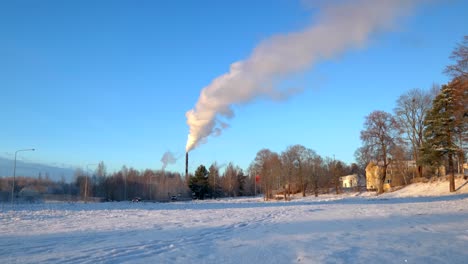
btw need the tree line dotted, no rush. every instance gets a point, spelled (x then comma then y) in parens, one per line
(297, 170)
(97, 185)
(129, 183)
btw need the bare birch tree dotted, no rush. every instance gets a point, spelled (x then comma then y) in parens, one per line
(410, 112)
(381, 134)
(459, 70)
(267, 165)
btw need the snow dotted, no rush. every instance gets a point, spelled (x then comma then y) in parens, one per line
(421, 223)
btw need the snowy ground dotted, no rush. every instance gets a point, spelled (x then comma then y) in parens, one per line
(408, 226)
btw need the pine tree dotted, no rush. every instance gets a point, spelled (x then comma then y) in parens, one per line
(440, 131)
(199, 183)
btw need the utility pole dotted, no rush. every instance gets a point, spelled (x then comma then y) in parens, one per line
(14, 174)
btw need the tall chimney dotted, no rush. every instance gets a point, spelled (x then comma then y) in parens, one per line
(186, 164)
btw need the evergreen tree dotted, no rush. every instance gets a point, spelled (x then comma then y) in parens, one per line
(198, 184)
(440, 130)
(241, 178)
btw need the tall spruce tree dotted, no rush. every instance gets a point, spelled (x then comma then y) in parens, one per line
(199, 183)
(440, 131)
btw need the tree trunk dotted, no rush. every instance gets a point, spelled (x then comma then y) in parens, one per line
(452, 173)
(316, 186)
(380, 188)
(382, 180)
(450, 157)
(461, 158)
(416, 159)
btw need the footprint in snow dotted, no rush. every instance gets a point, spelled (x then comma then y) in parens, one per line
(240, 225)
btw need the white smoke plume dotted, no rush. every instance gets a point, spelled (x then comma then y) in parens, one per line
(344, 25)
(168, 158)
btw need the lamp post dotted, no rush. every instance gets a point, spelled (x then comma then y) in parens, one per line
(14, 173)
(86, 180)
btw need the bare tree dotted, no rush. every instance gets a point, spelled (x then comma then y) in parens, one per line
(135, 183)
(410, 112)
(231, 184)
(381, 133)
(214, 180)
(400, 171)
(460, 56)
(287, 168)
(80, 181)
(267, 165)
(124, 171)
(295, 160)
(363, 156)
(148, 180)
(316, 171)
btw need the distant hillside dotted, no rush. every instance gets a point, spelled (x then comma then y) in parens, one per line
(34, 169)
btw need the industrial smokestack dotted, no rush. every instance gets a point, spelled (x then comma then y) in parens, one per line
(186, 164)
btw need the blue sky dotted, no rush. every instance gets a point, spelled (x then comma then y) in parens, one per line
(85, 81)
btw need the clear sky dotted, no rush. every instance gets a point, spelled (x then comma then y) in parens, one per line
(89, 81)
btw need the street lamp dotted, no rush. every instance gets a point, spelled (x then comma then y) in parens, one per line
(86, 180)
(14, 173)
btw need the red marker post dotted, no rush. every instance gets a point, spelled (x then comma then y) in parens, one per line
(257, 179)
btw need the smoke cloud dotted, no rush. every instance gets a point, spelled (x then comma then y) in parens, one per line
(341, 26)
(168, 158)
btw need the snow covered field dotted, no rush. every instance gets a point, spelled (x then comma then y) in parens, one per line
(407, 226)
